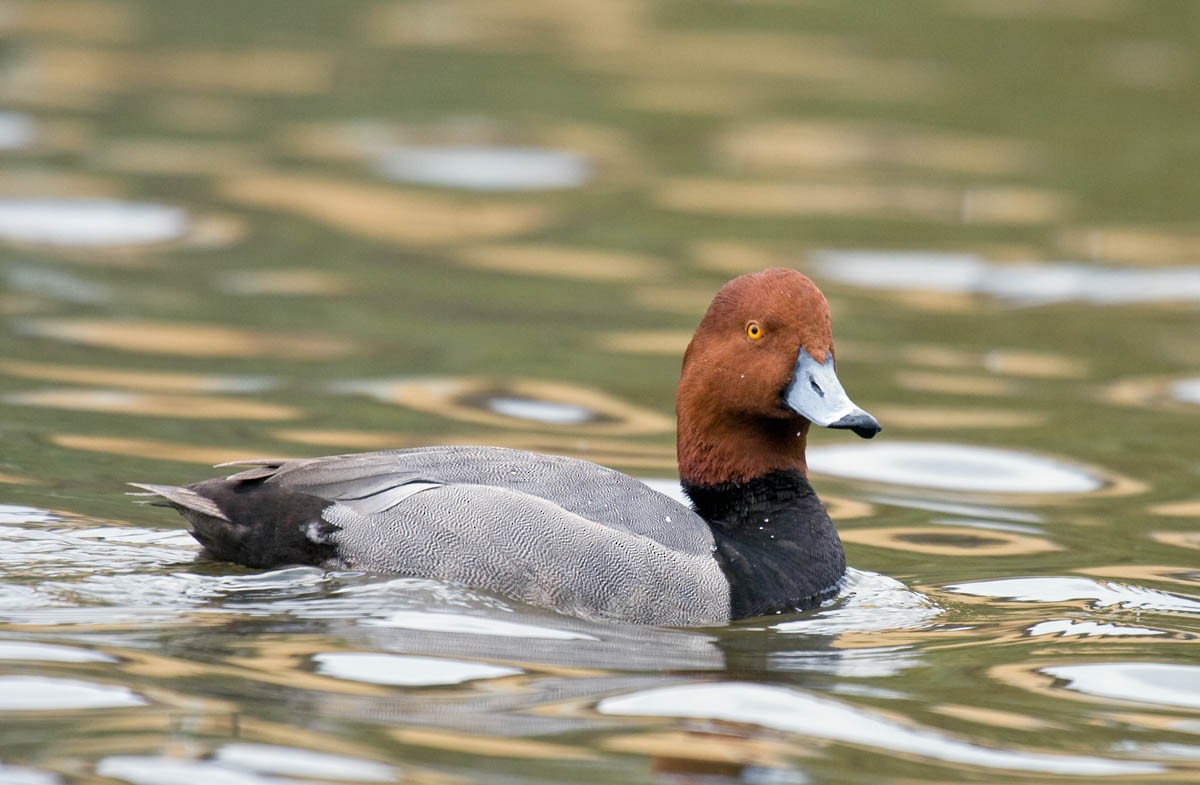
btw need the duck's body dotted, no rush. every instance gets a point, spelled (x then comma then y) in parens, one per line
(571, 535)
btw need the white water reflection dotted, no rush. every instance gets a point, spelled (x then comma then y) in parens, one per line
(1163, 684)
(952, 467)
(548, 412)
(1187, 391)
(1025, 284)
(481, 168)
(473, 625)
(41, 693)
(405, 670)
(49, 652)
(146, 770)
(1066, 628)
(16, 513)
(790, 711)
(296, 761)
(868, 602)
(876, 663)
(21, 775)
(1103, 594)
(89, 223)
(17, 132)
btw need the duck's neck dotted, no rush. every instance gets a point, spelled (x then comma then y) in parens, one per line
(774, 541)
(716, 450)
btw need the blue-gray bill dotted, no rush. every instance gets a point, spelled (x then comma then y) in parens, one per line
(816, 395)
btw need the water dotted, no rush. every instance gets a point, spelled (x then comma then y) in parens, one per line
(291, 229)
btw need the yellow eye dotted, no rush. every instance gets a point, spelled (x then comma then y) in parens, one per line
(754, 331)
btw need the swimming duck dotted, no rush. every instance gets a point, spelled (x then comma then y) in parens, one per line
(573, 536)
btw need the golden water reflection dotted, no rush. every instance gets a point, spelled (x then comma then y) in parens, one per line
(157, 450)
(172, 157)
(90, 20)
(950, 541)
(877, 201)
(699, 745)
(186, 407)
(518, 403)
(292, 282)
(489, 746)
(384, 213)
(997, 718)
(770, 147)
(562, 262)
(135, 379)
(181, 339)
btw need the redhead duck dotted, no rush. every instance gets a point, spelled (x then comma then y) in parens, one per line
(573, 536)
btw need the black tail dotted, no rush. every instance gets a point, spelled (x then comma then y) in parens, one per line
(253, 523)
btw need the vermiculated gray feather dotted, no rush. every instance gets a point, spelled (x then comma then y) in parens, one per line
(552, 531)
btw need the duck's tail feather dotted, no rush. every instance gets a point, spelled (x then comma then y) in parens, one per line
(253, 523)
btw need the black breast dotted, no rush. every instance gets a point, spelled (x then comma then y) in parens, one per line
(774, 541)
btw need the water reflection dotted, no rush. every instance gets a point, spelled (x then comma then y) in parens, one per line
(17, 131)
(22, 775)
(41, 693)
(471, 625)
(1067, 589)
(950, 541)
(89, 223)
(159, 450)
(49, 652)
(180, 339)
(562, 262)
(1068, 628)
(130, 378)
(869, 603)
(775, 146)
(1164, 684)
(1158, 392)
(149, 405)
(1026, 284)
(405, 671)
(402, 218)
(515, 403)
(822, 718)
(485, 168)
(954, 467)
(146, 770)
(59, 285)
(1187, 390)
(300, 762)
(287, 283)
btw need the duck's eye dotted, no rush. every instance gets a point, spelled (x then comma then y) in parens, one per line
(754, 331)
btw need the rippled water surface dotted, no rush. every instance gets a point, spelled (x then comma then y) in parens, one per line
(230, 230)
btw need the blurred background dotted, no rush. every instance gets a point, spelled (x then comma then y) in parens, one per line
(237, 229)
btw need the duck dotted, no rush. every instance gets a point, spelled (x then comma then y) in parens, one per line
(573, 536)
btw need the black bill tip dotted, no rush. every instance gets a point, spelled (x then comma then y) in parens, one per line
(861, 423)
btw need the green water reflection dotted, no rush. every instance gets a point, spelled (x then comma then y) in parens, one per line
(230, 230)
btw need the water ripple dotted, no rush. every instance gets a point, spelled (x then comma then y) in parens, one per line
(40, 693)
(1104, 594)
(1160, 683)
(795, 712)
(1027, 284)
(89, 223)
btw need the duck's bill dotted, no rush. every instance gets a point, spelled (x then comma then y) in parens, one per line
(816, 395)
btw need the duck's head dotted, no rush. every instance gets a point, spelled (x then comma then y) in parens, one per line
(758, 372)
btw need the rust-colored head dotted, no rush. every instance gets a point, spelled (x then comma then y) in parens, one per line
(763, 345)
